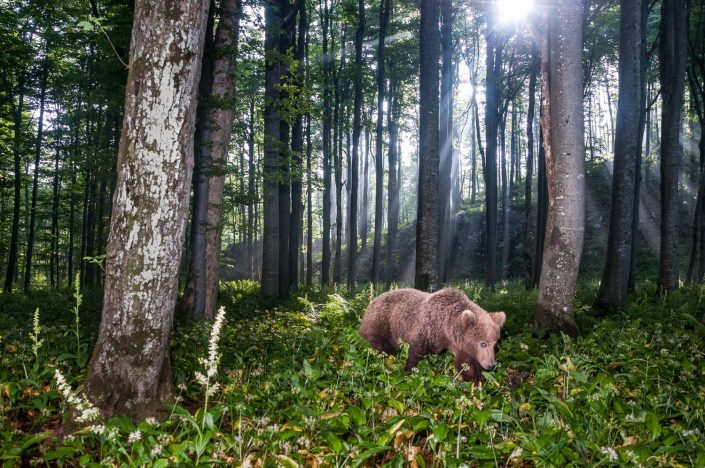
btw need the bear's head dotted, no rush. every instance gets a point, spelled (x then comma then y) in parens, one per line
(477, 333)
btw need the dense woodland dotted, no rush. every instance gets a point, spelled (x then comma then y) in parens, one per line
(290, 160)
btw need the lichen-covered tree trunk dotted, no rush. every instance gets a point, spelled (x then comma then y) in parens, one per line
(445, 137)
(562, 88)
(130, 372)
(615, 277)
(427, 218)
(220, 117)
(672, 62)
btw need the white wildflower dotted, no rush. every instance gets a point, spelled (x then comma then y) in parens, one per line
(688, 432)
(609, 452)
(152, 421)
(112, 434)
(156, 451)
(36, 331)
(524, 347)
(134, 436)
(97, 429)
(85, 410)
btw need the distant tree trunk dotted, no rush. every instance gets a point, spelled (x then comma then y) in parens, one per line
(270, 240)
(609, 110)
(365, 211)
(427, 217)
(644, 124)
(130, 372)
(297, 145)
(535, 64)
(251, 197)
(35, 179)
(326, 254)
(194, 299)
(672, 62)
(220, 118)
(17, 111)
(563, 130)
(309, 206)
(357, 110)
(286, 42)
(72, 207)
(445, 137)
(505, 195)
(338, 165)
(56, 188)
(615, 277)
(379, 141)
(392, 181)
(495, 46)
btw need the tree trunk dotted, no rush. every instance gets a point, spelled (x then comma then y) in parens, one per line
(564, 130)
(393, 181)
(379, 141)
(535, 64)
(309, 206)
(365, 210)
(18, 110)
(495, 45)
(130, 371)
(56, 189)
(445, 137)
(35, 179)
(326, 254)
(505, 195)
(251, 197)
(615, 277)
(220, 120)
(270, 239)
(672, 62)
(297, 145)
(357, 111)
(427, 217)
(194, 300)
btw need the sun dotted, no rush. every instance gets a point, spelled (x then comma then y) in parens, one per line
(513, 11)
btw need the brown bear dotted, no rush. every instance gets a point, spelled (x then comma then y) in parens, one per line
(432, 323)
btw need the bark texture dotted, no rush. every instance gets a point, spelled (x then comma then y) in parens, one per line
(130, 372)
(427, 218)
(562, 84)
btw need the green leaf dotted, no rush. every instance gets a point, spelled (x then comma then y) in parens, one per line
(440, 432)
(85, 25)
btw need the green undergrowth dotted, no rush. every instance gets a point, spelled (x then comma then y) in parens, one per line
(299, 387)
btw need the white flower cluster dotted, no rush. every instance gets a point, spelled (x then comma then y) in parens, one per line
(610, 452)
(210, 365)
(86, 411)
(134, 436)
(36, 331)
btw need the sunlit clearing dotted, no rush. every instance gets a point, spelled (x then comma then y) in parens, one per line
(513, 11)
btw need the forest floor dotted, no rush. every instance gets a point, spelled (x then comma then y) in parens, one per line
(299, 387)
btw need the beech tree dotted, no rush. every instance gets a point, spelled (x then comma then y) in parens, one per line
(130, 371)
(615, 278)
(427, 218)
(673, 46)
(563, 127)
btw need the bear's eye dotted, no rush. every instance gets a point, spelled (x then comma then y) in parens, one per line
(483, 345)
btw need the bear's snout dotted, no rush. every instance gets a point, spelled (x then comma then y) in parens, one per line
(490, 367)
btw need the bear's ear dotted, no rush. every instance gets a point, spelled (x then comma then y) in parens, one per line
(499, 317)
(468, 318)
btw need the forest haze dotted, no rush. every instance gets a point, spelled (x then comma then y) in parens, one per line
(174, 171)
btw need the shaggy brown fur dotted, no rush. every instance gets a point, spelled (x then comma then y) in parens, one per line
(433, 323)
